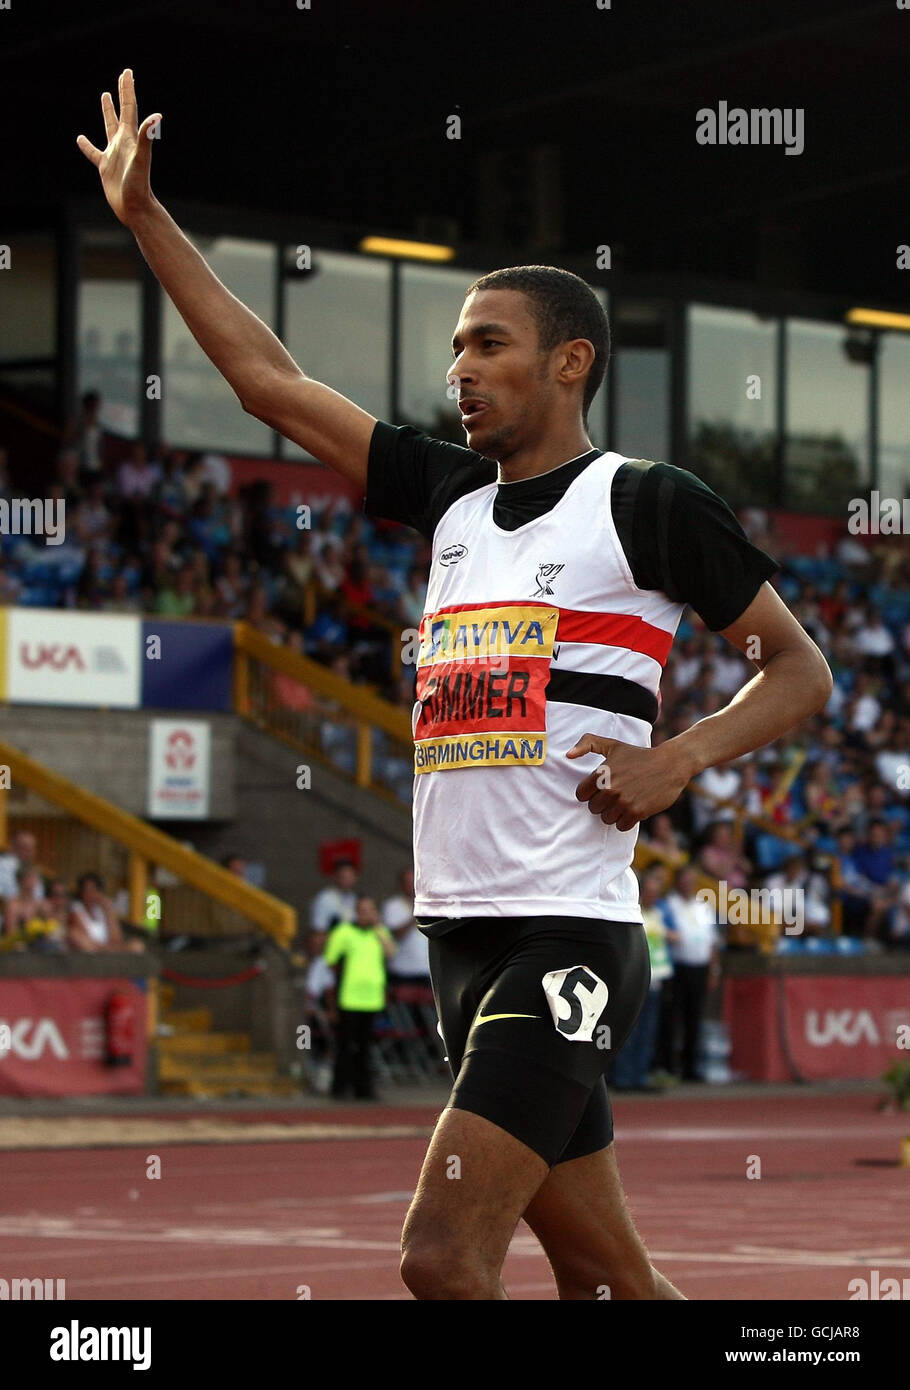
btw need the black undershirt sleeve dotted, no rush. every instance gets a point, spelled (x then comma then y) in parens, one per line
(681, 538)
(414, 479)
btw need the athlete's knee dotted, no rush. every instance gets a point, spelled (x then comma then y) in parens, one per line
(433, 1269)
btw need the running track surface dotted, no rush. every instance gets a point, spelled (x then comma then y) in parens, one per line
(258, 1220)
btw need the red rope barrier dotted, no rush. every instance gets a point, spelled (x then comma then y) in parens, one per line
(204, 982)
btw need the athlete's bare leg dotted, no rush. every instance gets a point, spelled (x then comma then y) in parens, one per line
(475, 1183)
(581, 1219)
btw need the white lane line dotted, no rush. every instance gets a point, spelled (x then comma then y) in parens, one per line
(328, 1239)
(750, 1133)
(289, 1203)
(836, 1258)
(755, 1255)
(302, 1271)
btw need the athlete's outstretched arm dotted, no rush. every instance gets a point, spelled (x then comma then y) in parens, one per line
(264, 377)
(792, 683)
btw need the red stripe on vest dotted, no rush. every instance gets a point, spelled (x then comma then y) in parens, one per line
(600, 629)
(614, 630)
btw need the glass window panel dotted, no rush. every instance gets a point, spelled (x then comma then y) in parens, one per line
(732, 434)
(200, 409)
(894, 415)
(109, 328)
(337, 325)
(642, 384)
(641, 380)
(431, 302)
(827, 434)
(28, 289)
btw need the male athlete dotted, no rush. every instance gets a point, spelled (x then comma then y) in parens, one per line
(559, 575)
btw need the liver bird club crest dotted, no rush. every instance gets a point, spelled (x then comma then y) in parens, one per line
(545, 575)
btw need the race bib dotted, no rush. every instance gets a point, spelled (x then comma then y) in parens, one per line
(577, 998)
(482, 674)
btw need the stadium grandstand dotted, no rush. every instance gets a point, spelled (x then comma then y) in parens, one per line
(195, 534)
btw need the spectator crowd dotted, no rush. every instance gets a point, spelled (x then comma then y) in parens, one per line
(42, 912)
(168, 535)
(825, 810)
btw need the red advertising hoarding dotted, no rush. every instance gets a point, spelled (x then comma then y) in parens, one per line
(817, 1027)
(54, 1037)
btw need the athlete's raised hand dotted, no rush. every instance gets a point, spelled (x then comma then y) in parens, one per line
(125, 163)
(632, 783)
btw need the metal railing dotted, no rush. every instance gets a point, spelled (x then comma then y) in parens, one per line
(77, 830)
(323, 715)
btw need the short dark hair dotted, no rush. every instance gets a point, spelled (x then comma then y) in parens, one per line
(564, 307)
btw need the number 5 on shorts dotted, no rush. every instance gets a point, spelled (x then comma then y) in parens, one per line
(577, 998)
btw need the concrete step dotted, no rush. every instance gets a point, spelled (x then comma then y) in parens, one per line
(212, 1087)
(198, 1044)
(250, 1066)
(188, 1020)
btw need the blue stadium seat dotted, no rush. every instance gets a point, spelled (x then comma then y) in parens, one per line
(770, 852)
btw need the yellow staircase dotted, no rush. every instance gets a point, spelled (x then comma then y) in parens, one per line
(195, 1061)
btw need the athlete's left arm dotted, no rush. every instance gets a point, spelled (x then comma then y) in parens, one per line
(793, 681)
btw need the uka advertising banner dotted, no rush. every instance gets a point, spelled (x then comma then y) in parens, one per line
(179, 769)
(817, 1027)
(54, 1038)
(57, 657)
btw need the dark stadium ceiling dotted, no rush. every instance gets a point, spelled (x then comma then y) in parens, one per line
(578, 123)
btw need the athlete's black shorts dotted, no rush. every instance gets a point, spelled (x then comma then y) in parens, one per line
(532, 1009)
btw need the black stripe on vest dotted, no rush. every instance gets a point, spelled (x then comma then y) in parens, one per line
(611, 693)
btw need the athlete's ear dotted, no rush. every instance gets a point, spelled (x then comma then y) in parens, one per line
(578, 357)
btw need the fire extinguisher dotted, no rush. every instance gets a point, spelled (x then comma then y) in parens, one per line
(120, 1028)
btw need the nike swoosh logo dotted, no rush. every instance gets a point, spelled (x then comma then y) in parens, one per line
(491, 1018)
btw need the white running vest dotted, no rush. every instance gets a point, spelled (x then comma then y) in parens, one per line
(497, 827)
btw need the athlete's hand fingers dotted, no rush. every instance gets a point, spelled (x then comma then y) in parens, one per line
(607, 804)
(619, 814)
(110, 116)
(596, 789)
(129, 114)
(89, 150)
(591, 743)
(597, 780)
(144, 145)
